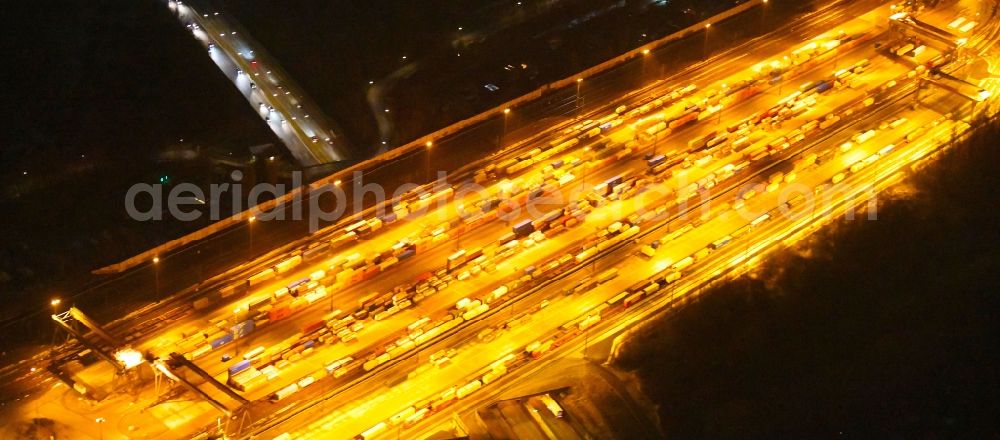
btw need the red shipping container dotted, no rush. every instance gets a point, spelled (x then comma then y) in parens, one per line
(313, 326)
(358, 277)
(371, 272)
(278, 313)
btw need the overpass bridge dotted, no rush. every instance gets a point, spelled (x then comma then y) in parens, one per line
(311, 137)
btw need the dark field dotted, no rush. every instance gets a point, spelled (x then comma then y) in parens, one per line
(872, 329)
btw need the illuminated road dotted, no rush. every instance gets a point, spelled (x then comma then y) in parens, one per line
(309, 135)
(740, 192)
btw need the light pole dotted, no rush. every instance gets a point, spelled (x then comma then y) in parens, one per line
(458, 231)
(763, 14)
(781, 82)
(427, 160)
(579, 82)
(100, 426)
(593, 264)
(156, 272)
(642, 74)
(250, 222)
(708, 26)
(503, 134)
(836, 50)
(236, 336)
(54, 303)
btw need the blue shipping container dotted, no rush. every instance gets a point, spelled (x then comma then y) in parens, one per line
(223, 340)
(823, 86)
(389, 218)
(409, 252)
(656, 160)
(239, 366)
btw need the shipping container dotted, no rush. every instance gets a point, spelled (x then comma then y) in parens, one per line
(683, 264)
(279, 312)
(284, 393)
(288, 264)
(220, 341)
(250, 355)
(523, 228)
(238, 367)
(632, 299)
(316, 251)
(607, 275)
(260, 277)
(243, 329)
(720, 243)
(456, 260)
(313, 326)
